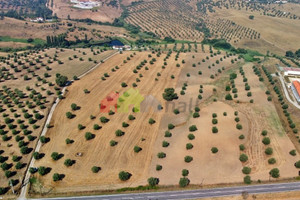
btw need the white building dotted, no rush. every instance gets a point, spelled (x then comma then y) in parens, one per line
(289, 71)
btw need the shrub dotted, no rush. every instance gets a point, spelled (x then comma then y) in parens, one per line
(158, 167)
(239, 126)
(165, 144)
(43, 170)
(293, 152)
(185, 172)
(297, 164)
(274, 173)
(188, 159)
(189, 146)
(266, 140)
(168, 134)
(69, 141)
(242, 147)
(69, 115)
(95, 169)
(176, 111)
(214, 150)
(183, 182)
(69, 162)
(241, 137)
(151, 121)
(269, 151)
(247, 180)
(161, 155)
(169, 94)
(89, 136)
(191, 136)
(104, 119)
(137, 149)
(228, 97)
(215, 129)
(119, 133)
(124, 176)
(214, 121)
(55, 156)
(96, 127)
(153, 181)
(171, 126)
(246, 170)
(131, 117)
(56, 177)
(74, 106)
(196, 115)
(243, 157)
(193, 128)
(272, 161)
(264, 133)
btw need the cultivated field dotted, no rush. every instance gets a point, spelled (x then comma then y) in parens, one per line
(216, 140)
(28, 89)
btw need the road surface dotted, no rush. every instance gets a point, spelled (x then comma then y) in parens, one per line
(194, 194)
(44, 131)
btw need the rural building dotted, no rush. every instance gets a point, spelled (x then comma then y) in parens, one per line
(296, 90)
(288, 71)
(85, 4)
(120, 48)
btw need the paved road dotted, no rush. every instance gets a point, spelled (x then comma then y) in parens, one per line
(44, 131)
(194, 194)
(286, 93)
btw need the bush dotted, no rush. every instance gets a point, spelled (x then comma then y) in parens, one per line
(272, 161)
(131, 117)
(246, 170)
(119, 133)
(169, 94)
(297, 164)
(214, 121)
(95, 169)
(191, 136)
(243, 157)
(214, 150)
(74, 106)
(176, 111)
(113, 143)
(56, 177)
(266, 140)
(274, 173)
(239, 126)
(137, 149)
(43, 170)
(171, 126)
(89, 136)
(161, 155)
(185, 172)
(196, 115)
(241, 137)
(183, 182)
(69, 162)
(269, 151)
(242, 147)
(188, 159)
(153, 181)
(69, 115)
(69, 141)
(124, 176)
(228, 97)
(104, 119)
(165, 144)
(55, 156)
(151, 121)
(215, 129)
(158, 167)
(293, 152)
(264, 133)
(168, 134)
(189, 146)
(247, 180)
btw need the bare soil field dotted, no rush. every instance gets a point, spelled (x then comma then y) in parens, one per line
(23, 29)
(277, 34)
(205, 90)
(104, 13)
